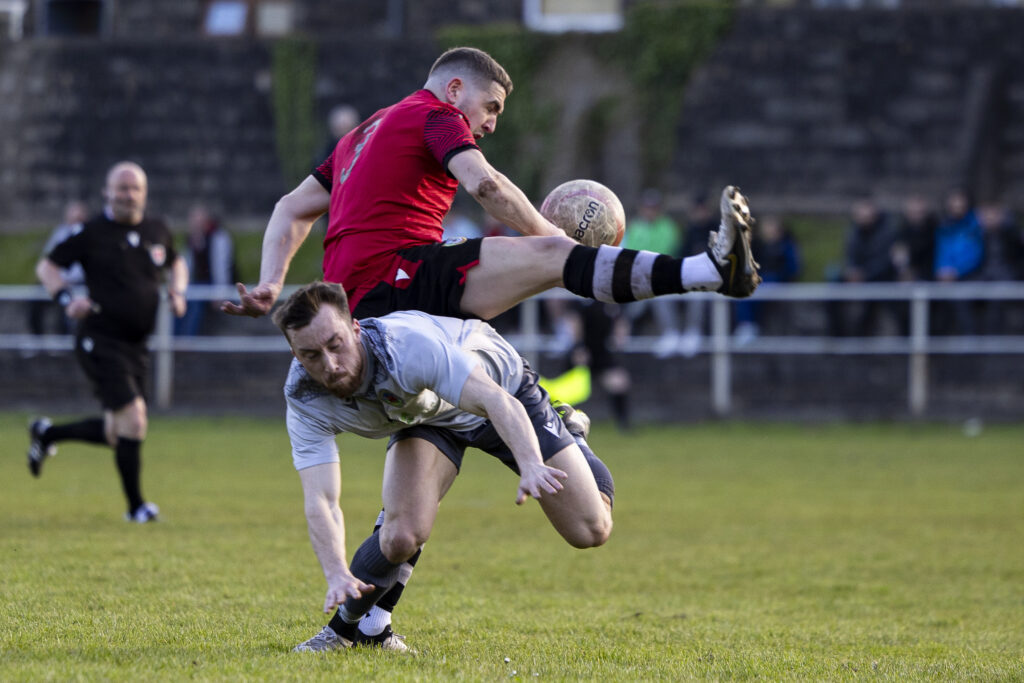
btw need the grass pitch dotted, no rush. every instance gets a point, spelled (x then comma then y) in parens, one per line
(739, 551)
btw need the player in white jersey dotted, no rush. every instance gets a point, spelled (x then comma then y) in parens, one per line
(435, 386)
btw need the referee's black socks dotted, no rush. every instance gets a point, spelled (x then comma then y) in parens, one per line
(129, 465)
(89, 430)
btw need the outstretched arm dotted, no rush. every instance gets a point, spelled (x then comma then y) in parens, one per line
(321, 488)
(482, 396)
(498, 195)
(289, 225)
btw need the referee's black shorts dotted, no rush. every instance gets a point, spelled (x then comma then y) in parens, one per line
(435, 287)
(116, 369)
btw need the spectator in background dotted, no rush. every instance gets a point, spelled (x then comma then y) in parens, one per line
(39, 311)
(654, 230)
(702, 220)
(914, 257)
(210, 255)
(1003, 261)
(776, 250)
(340, 120)
(868, 257)
(959, 252)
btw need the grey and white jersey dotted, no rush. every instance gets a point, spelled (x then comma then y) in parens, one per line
(416, 367)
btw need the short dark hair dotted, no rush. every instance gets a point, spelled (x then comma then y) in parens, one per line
(303, 305)
(477, 62)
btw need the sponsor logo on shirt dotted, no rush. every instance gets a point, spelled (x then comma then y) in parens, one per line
(401, 275)
(552, 427)
(452, 241)
(133, 238)
(388, 397)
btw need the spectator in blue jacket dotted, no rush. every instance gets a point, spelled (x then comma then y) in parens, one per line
(959, 253)
(959, 242)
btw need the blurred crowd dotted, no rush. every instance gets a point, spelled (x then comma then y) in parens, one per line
(951, 240)
(957, 241)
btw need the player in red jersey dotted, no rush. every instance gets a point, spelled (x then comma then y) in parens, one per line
(390, 183)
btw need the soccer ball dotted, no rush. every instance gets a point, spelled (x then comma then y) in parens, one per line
(587, 211)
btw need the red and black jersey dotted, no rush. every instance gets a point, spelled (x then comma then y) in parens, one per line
(390, 188)
(123, 267)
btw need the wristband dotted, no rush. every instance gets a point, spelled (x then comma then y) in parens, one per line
(63, 297)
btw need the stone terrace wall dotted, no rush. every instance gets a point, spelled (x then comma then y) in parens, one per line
(803, 107)
(196, 113)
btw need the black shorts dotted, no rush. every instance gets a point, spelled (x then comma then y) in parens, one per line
(435, 288)
(550, 430)
(116, 369)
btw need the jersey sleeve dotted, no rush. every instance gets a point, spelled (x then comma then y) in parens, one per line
(324, 173)
(68, 250)
(430, 363)
(312, 441)
(446, 133)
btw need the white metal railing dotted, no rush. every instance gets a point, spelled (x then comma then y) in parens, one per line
(529, 339)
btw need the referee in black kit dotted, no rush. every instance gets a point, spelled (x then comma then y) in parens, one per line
(124, 255)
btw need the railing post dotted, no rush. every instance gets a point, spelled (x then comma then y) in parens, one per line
(917, 371)
(164, 379)
(721, 362)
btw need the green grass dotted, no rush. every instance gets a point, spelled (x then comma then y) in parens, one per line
(21, 251)
(740, 551)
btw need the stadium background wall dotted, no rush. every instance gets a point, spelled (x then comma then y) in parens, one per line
(806, 108)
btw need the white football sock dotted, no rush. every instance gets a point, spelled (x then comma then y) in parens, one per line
(375, 621)
(700, 275)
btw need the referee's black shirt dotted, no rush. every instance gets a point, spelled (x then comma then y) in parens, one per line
(123, 267)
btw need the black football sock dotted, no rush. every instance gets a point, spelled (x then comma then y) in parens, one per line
(129, 466)
(369, 565)
(616, 276)
(379, 616)
(89, 430)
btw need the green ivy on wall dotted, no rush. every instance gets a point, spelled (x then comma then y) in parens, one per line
(660, 46)
(661, 43)
(293, 72)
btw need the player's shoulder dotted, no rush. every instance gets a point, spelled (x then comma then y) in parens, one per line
(404, 338)
(411, 325)
(90, 225)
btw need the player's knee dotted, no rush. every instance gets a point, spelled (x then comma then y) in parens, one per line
(399, 543)
(131, 422)
(591, 532)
